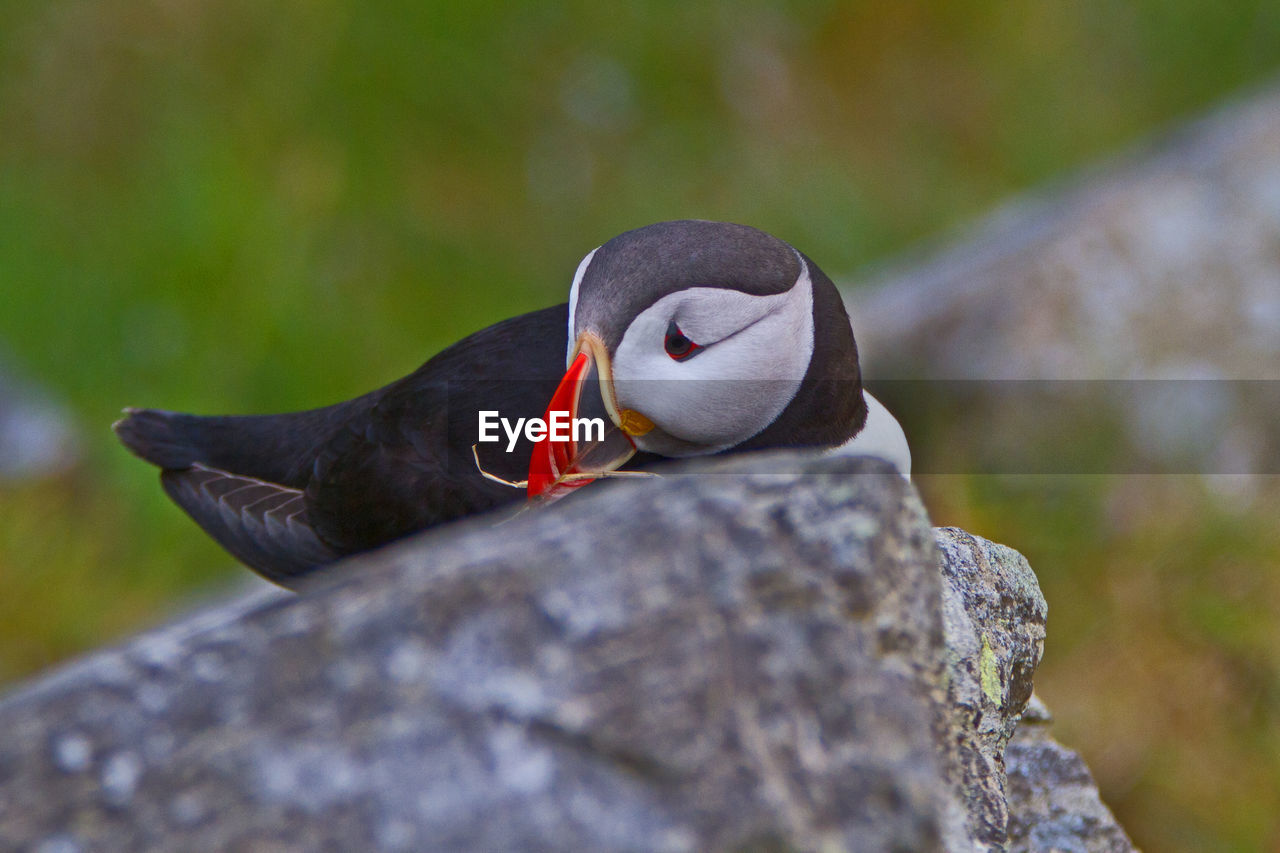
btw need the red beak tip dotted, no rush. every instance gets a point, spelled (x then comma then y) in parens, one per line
(551, 460)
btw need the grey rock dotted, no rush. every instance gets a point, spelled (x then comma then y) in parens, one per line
(746, 657)
(994, 618)
(1053, 800)
(1160, 266)
(1022, 790)
(757, 653)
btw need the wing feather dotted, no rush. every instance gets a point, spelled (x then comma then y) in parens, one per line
(262, 524)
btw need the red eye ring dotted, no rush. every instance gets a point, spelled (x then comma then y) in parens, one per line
(677, 344)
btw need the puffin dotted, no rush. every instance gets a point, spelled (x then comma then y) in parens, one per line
(679, 339)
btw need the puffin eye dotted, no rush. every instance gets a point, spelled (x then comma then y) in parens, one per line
(677, 345)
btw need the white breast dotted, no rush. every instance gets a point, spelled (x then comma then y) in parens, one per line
(882, 437)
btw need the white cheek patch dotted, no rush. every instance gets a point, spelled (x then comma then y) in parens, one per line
(756, 350)
(573, 301)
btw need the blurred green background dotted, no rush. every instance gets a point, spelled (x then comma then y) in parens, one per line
(243, 206)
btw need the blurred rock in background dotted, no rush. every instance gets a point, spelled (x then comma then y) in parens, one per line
(1165, 264)
(1144, 299)
(37, 438)
(1056, 356)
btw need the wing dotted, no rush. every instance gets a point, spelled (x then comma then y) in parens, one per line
(405, 463)
(286, 493)
(264, 525)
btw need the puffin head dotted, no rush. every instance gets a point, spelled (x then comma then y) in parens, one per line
(693, 337)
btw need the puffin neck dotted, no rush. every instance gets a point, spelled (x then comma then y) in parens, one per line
(828, 408)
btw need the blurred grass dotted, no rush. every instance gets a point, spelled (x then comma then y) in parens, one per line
(239, 206)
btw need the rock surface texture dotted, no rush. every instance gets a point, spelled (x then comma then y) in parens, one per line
(1053, 801)
(759, 653)
(994, 619)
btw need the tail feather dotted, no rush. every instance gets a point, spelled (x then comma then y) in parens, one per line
(158, 437)
(276, 448)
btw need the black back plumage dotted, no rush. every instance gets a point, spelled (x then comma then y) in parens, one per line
(828, 408)
(286, 493)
